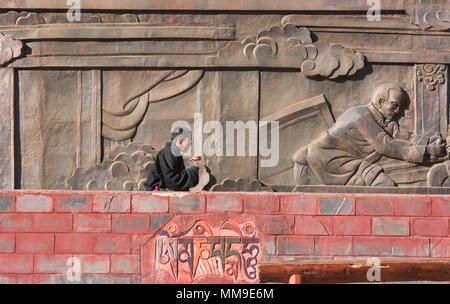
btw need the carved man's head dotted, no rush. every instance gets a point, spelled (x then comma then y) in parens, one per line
(389, 99)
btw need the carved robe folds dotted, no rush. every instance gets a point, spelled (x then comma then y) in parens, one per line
(347, 153)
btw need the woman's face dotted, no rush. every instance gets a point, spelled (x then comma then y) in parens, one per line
(184, 144)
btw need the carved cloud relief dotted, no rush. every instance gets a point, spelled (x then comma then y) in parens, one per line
(288, 46)
(10, 48)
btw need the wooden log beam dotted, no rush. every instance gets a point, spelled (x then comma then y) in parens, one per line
(324, 272)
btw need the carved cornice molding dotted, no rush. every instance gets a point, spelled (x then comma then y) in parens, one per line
(288, 46)
(10, 48)
(429, 14)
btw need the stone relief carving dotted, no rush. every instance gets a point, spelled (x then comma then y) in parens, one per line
(10, 48)
(429, 14)
(229, 252)
(27, 18)
(431, 75)
(439, 175)
(124, 168)
(121, 124)
(350, 151)
(241, 185)
(22, 18)
(291, 47)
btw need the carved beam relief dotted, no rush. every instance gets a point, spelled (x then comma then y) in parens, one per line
(288, 46)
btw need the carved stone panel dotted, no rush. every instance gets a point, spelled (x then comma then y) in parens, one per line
(207, 249)
(431, 99)
(57, 126)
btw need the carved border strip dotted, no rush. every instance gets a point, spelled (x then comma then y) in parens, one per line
(205, 5)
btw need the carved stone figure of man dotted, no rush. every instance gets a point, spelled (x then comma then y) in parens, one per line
(347, 153)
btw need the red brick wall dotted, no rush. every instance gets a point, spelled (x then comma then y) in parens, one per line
(40, 231)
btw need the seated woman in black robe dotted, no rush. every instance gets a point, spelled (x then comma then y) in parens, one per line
(169, 172)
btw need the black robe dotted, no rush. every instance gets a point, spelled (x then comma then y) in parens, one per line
(169, 172)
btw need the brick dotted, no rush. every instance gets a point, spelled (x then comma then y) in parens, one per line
(53, 222)
(35, 279)
(336, 206)
(334, 245)
(372, 246)
(268, 245)
(6, 203)
(138, 240)
(8, 279)
(440, 247)
(410, 247)
(73, 203)
(299, 204)
(34, 203)
(74, 243)
(96, 279)
(412, 206)
(390, 226)
(16, 222)
(112, 244)
(295, 245)
(7, 243)
(159, 220)
(92, 223)
(352, 225)
(430, 226)
(16, 263)
(441, 206)
(374, 205)
(261, 204)
(150, 204)
(187, 204)
(313, 225)
(136, 279)
(130, 223)
(35, 243)
(114, 203)
(276, 224)
(223, 203)
(128, 263)
(93, 263)
(52, 263)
